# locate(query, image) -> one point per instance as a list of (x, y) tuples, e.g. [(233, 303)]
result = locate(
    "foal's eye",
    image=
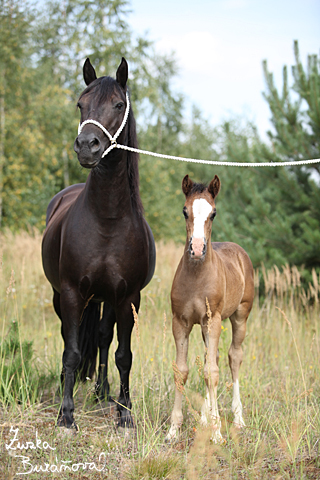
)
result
[(213, 214), (185, 213), (119, 106)]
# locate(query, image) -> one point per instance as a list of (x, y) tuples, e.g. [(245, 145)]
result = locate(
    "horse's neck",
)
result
[(107, 189)]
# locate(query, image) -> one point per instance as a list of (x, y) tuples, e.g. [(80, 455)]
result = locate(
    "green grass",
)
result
[(279, 384)]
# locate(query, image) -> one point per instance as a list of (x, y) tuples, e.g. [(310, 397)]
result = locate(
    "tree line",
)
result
[(274, 213)]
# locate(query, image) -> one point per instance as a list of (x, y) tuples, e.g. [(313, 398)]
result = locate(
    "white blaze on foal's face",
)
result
[(201, 211)]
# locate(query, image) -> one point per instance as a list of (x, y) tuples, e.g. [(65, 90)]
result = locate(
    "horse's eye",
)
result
[(185, 213), (213, 214), (119, 106), (79, 105)]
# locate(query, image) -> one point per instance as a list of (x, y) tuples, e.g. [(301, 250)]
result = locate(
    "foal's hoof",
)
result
[(238, 423), (172, 435), (217, 438)]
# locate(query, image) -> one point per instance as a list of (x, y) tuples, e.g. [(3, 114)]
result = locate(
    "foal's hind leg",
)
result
[(105, 338), (239, 322)]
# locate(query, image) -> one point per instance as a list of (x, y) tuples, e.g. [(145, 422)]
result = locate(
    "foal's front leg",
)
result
[(181, 331), (72, 306), (211, 333)]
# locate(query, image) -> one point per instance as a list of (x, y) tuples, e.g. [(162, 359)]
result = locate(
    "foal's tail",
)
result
[(88, 340)]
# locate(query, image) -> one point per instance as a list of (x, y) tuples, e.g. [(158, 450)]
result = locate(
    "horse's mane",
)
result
[(107, 85)]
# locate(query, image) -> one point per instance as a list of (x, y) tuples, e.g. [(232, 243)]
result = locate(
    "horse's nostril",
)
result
[(94, 145), (76, 145)]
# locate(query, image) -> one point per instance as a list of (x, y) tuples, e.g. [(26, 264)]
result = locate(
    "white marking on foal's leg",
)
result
[(216, 436), (210, 416), (205, 410), (173, 433), (237, 406)]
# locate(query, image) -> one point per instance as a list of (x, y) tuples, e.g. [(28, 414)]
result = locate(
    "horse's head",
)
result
[(104, 101), (199, 211)]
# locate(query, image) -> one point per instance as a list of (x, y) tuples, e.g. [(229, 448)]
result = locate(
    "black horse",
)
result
[(97, 246)]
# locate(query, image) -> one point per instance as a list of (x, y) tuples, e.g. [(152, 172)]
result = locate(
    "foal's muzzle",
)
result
[(197, 248), (89, 149)]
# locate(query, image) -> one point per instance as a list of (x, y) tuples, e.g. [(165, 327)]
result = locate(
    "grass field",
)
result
[(279, 385)]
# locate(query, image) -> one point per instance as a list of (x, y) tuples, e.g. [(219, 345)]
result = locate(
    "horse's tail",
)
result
[(88, 340)]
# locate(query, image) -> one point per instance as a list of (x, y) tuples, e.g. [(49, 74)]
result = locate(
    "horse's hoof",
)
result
[(125, 421), (66, 432), (66, 429), (126, 433)]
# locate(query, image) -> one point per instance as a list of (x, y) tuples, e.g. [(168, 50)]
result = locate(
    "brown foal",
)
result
[(223, 274)]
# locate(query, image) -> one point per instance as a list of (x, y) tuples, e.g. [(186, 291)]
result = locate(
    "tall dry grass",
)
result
[(279, 378)]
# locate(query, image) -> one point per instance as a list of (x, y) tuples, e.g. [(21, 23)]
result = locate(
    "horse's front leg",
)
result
[(105, 338), (123, 357), (72, 306), (211, 333)]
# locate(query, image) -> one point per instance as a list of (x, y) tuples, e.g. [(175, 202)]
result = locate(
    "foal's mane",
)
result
[(104, 87), (198, 188)]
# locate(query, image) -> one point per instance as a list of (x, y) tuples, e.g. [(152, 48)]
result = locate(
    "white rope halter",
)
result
[(114, 144), (113, 139)]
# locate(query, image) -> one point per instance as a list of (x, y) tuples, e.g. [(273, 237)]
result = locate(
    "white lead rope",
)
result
[(114, 144), (216, 162)]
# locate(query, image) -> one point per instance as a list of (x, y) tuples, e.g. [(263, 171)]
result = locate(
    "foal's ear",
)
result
[(187, 184), (89, 73), (214, 186), (122, 73)]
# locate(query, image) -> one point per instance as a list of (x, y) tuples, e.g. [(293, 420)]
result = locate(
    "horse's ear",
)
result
[(214, 186), (122, 73), (89, 73), (187, 184)]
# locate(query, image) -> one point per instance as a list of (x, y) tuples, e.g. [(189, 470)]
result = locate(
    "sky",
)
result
[(219, 46)]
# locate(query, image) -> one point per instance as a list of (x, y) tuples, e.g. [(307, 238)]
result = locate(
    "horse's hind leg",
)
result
[(239, 323), (105, 338), (57, 309)]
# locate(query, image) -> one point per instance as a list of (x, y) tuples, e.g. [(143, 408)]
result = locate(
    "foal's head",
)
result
[(104, 100), (199, 211)]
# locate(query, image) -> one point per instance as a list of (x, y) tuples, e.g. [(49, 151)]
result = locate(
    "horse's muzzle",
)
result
[(197, 248), (89, 149)]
